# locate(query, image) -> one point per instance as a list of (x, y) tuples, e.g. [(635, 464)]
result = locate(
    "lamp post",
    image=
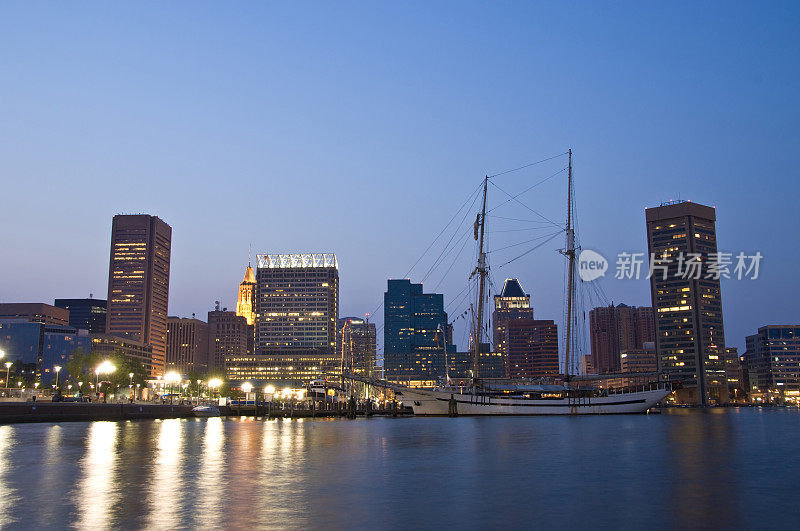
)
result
[(247, 387), (172, 377), (8, 370), (214, 383), (198, 391), (104, 368), (57, 368)]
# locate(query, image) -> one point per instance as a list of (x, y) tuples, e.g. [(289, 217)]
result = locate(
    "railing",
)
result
[(653, 386)]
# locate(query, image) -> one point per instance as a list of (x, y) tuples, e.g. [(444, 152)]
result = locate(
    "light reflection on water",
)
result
[(8, 494), (98, 489), (167, 499), (684, 470), (211, 479)]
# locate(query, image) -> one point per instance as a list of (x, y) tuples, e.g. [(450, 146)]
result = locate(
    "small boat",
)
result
[(205, 411)]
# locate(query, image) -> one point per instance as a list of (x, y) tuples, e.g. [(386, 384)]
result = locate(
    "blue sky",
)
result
[(360, 127)]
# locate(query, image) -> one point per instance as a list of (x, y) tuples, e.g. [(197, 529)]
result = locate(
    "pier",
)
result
[(40, 411), (13, 412)]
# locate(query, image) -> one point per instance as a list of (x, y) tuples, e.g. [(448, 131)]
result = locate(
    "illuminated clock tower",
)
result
[(244, 304)]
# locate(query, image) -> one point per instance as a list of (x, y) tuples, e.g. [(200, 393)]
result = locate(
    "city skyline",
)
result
[(727, 130)]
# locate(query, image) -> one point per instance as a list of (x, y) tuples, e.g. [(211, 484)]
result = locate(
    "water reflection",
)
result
[(283, 472), (98, 489), (211, 482), (8, 494), (704, 486), (685, 470), (166, 494)]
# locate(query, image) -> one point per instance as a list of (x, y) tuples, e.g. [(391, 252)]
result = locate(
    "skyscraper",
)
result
[(357, 341), (85, 314), (614, 329), (187, 345), (297, 302), (414, 349), (138, 282), (512, 303), (690, 339), (297, 307), (244, 302), (532, 348)]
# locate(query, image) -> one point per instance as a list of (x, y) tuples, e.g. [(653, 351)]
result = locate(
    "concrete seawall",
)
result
[(11, 412)]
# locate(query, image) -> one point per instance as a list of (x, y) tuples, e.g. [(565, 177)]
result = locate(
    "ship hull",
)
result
[(426, 402)]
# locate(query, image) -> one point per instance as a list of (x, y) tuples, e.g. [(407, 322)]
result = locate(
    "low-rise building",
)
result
[(34, 312)]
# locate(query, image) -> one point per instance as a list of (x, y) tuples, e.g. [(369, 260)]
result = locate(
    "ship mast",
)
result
[(482, 270), (570, 253)]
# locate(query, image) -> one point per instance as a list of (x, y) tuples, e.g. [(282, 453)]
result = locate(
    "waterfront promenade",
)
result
[(41, 411)]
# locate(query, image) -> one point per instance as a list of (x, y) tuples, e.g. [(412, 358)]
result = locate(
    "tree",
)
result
[(81, 367)]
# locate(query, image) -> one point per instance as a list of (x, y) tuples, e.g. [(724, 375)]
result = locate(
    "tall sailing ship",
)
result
[(563, 396)]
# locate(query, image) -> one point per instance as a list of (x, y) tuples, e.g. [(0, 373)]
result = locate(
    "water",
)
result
[(716, 469)]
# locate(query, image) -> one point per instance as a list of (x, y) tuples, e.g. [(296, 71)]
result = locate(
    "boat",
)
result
[(206, 410), (564, 401), (561, 396)]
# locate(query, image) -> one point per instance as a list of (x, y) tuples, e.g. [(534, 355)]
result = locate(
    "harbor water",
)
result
[(722, 468)]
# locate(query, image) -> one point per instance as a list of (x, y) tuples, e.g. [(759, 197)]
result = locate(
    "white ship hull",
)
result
[(438, 402)]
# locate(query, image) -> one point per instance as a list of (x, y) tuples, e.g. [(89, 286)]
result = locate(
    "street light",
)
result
[(198, 390), (8, 369), (172, 377), (214, 383), (57, 368), (247, 387), (104, 368)]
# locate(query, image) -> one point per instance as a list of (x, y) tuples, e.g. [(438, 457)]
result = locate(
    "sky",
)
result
[(360, 128)]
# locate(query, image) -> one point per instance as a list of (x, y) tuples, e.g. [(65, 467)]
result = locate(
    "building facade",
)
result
[(641, 360), (35, 349), (187, 345), (772, 360), (34, 312), (614, 329), (138, 283), (297, 303), (358, 345), (286, 369), (85, 314), (734, 373), (491, 364), (512, 303), (413, 344), (229, 337), (690, 338), (104, 345), (532, 348), (297, 308)]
